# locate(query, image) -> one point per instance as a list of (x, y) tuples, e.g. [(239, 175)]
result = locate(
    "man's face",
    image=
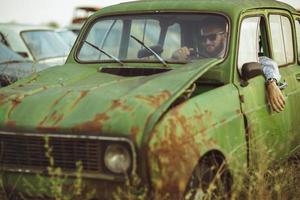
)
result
[(213, 40)]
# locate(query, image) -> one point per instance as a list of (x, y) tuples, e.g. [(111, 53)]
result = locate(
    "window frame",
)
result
[(266, 35), (284, 14), (297, 19)]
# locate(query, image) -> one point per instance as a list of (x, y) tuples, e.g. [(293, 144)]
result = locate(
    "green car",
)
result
[(123, 106)]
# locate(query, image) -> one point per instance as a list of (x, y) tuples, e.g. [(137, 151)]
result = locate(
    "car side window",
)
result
[(248, 42), (282, 39), (297, 23)]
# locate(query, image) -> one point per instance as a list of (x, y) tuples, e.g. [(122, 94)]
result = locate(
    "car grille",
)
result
[(27, 152)]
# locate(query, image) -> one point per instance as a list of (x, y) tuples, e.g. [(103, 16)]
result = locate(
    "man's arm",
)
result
[(271, 72), (275, 96)]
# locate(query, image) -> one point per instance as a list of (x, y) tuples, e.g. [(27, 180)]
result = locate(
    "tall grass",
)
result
[(267, 181), (270, 181)]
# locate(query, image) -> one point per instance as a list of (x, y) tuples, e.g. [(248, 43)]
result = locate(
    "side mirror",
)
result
[(250, 70)]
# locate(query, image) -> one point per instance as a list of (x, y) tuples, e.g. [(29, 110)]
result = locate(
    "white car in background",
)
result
[(68, 36), (37, 43)]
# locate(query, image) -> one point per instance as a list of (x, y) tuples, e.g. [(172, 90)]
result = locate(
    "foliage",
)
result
[(56, 184), (266, 181)]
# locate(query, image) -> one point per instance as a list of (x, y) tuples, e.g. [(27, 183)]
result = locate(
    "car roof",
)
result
[(224, 6)]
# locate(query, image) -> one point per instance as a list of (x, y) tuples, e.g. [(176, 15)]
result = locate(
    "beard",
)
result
[(215, 52)]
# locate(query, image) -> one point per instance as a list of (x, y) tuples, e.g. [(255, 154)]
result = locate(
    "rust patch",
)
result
[(48, 128), (238, 111), (177, 147), (155, 101), (176, 157), (56, 118), (93, 125), (15, 102), (2, 98), (81, 96), (60, 98), (134, 132), (119, 104), (43, 121), (11, 124)]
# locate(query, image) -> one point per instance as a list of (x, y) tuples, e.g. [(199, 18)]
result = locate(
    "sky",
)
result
[(59, 11), (45, 11)]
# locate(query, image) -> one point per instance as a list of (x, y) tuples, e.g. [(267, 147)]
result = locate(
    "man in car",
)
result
[(213, 37)]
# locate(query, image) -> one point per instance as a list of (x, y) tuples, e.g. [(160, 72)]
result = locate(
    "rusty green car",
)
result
[(123, 107)]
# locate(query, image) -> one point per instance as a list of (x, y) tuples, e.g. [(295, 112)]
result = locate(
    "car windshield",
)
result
[(45, 44), (127, 38), (7, 55)]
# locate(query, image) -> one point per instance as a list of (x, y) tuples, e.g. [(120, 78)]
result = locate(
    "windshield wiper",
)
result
[(151, 50), (107, 54)]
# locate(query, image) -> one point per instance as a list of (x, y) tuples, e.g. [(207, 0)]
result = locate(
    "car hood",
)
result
[(75, 99)]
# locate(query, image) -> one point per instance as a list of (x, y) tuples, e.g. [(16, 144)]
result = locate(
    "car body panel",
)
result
[(56, 112), (193, 129)]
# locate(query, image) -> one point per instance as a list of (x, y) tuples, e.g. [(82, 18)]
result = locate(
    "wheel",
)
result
[(211, 178)]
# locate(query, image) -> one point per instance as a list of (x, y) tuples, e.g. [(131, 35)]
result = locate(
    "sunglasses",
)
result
[(211, 37)]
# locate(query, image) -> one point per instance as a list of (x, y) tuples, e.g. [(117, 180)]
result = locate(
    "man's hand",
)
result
[(182, 54), (275, 97)]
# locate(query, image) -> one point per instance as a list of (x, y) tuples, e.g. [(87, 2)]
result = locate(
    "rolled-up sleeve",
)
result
[(270, 68)]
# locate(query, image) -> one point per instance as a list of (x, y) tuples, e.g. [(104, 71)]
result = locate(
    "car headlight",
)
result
[(117, 158)]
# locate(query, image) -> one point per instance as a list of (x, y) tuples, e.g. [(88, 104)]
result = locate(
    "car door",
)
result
[(284, 53), (295, 73), (266, 129)]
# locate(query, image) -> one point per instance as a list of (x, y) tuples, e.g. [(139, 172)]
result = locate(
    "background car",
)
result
[(14, 67), (80, 15), (37, 43), (68, 36)]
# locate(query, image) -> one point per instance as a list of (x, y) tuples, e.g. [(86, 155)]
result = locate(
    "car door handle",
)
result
[(298, 77)]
